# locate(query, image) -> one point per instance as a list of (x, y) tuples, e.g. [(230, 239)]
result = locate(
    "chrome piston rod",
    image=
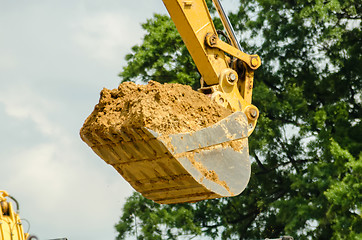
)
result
[(227, 25)]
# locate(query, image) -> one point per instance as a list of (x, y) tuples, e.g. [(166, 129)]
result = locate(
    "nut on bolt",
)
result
[(254, 61), (231, 77), (211, 39), (252, 112)]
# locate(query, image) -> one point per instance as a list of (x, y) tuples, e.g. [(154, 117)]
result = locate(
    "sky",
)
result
[(55, 58)]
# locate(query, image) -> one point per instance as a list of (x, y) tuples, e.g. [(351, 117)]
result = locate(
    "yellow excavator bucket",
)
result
[(130, 130), (187, 167)]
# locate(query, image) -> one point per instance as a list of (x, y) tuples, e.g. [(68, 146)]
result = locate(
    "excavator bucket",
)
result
[(209, 163)]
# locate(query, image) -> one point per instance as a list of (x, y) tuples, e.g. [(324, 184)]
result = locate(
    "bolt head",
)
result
[(254, 62), (253, 112), (232, 77), (213, 40)]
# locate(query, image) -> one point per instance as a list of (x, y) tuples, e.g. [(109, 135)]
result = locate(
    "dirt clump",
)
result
[(164, 108)]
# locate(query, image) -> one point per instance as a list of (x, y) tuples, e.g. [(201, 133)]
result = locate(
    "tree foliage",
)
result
[(306, 149)]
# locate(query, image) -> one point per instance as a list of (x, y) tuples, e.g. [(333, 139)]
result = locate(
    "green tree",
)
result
[(306, 149)]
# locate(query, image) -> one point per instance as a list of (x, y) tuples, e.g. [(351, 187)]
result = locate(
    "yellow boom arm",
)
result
[(228, 80)]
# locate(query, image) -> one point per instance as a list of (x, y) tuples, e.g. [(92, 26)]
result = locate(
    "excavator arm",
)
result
[(212, 162), (227, 72)]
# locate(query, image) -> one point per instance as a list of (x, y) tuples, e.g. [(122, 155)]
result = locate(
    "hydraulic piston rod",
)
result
[(227, 25)]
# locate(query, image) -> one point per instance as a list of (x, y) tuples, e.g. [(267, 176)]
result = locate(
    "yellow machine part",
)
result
[(187, 167), (11, 227), (212, 162)]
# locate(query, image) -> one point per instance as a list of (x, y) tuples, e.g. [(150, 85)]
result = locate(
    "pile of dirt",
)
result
[(164, 108)]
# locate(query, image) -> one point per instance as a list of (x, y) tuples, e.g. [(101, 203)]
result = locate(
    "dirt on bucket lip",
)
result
[(164, 108)]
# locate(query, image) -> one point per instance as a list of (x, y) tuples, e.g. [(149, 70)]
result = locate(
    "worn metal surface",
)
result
[(188, 167)]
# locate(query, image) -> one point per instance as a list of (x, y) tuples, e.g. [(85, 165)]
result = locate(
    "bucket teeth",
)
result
[(187, 167)]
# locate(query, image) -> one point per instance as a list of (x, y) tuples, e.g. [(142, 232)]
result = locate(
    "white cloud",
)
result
[(55, 58), (64, 193), (7, 62), (104, 35), (23, 103), (59, 178)]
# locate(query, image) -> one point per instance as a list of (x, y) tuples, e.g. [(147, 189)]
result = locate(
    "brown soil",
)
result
[(164, 108)]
